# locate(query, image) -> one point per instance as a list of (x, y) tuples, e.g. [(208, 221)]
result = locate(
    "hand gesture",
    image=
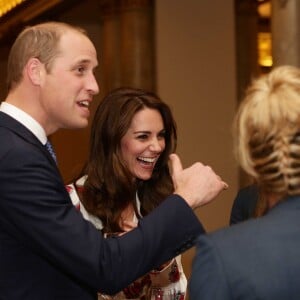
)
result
[(198, 184)]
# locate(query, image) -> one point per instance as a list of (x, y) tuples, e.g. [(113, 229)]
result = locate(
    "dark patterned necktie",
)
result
[(51, 150)]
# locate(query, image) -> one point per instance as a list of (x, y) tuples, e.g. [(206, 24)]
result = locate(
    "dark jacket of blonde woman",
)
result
[(255, 260)]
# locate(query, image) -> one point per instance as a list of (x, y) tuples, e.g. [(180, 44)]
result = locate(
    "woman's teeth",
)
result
[(147, 159)]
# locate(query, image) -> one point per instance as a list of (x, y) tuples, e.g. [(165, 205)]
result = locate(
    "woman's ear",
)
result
[(34, 70)]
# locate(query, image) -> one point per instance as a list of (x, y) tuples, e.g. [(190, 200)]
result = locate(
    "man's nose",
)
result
[(92, 85)]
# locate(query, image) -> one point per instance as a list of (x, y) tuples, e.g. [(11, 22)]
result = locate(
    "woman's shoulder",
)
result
[(72, 189)]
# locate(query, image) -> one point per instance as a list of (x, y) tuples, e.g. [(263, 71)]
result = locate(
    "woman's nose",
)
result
[(156, 145)]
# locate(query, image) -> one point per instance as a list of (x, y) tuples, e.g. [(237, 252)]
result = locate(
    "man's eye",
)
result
[(80, 69)]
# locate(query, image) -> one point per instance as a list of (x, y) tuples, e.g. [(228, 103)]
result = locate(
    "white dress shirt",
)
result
[(26, 120)]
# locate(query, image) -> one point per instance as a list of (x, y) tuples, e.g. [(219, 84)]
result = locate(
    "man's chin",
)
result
[(78, 125)]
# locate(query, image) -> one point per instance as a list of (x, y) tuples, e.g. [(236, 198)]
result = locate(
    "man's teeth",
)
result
[(84, 103), (147, 159)]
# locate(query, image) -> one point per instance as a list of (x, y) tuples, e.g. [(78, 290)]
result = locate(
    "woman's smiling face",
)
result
[(143, 143)]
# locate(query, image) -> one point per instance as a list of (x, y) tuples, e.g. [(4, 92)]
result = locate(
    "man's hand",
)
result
[(198, 184)]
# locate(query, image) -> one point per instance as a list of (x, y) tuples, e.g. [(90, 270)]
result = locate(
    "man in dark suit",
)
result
[(47, 250), (259, 258)]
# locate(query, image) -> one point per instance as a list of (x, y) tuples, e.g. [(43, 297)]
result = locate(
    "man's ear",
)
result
[(34, 69)]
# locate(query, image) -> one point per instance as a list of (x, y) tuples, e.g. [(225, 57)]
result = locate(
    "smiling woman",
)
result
[(127, 175), (143, 143)]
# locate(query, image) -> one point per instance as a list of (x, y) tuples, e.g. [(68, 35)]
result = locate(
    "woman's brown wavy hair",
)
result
[(109, 187)]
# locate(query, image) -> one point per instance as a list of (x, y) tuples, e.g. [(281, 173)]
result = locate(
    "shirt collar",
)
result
[(26, 120)]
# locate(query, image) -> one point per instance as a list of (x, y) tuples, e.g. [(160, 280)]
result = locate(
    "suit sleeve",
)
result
[(208, 279), (37, 212)]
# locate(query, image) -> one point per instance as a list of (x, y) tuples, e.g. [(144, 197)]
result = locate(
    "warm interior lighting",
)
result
[(21, 13), (264, 10), (265, 49), (8, 5)]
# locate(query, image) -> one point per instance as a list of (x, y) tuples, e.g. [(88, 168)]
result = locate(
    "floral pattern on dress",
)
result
[(168, 278)]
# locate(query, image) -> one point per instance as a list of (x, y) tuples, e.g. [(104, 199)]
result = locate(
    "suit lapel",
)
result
[(19, 129)]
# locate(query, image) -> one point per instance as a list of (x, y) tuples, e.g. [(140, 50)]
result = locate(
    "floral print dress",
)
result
[(166, 283)]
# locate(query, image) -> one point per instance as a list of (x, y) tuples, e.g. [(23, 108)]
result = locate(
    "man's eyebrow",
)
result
[(86, 61), (83, 61)]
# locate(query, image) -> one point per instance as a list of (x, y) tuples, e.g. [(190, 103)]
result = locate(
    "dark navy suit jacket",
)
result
[(255, 260), (48, 251), (244, 204)]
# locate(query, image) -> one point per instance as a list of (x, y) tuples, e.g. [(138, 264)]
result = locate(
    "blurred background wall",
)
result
[(196, 76)]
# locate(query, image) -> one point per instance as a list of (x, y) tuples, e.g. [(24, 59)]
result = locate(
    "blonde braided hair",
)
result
[(267, 132)]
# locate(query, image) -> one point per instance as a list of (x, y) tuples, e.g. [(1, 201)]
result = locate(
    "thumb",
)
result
[(176, 165)]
